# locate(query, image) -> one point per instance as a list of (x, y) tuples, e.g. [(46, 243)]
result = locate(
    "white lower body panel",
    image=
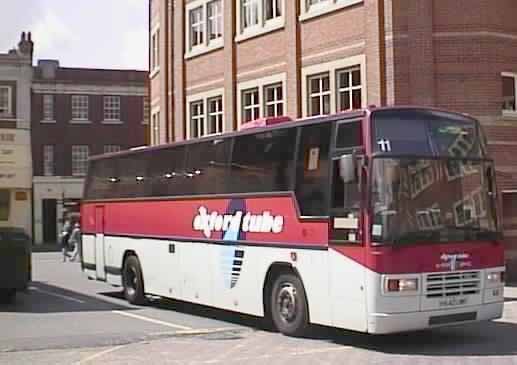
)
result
[(382, 323)]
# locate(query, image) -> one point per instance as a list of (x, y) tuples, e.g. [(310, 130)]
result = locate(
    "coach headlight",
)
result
[(495, 277), (400, 285)]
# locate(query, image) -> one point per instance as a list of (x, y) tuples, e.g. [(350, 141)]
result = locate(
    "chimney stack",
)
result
[(26, 46)]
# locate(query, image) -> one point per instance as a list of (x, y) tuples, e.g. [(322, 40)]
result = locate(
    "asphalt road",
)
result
[(64, 318)]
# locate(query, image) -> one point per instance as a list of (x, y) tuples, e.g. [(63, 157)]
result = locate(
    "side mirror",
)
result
[(347, 168)]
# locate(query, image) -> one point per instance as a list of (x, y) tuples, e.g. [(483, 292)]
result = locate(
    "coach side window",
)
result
[(102, 179), (167, 174), (134, 176), (312, 170), (207, 166), (263, 162)]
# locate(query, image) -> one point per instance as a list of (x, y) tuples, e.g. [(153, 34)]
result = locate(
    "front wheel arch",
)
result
[(274, 271)]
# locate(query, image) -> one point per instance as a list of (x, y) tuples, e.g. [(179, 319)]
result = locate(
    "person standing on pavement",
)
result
[(74, 242), (65, 235)]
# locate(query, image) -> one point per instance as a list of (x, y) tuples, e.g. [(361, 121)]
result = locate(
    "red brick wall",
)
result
[(63, 134)]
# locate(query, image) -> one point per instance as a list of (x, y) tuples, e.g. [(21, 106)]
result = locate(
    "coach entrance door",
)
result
[(99, 244)]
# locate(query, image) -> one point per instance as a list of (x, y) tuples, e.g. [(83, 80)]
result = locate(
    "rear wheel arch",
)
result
[(132, 271)]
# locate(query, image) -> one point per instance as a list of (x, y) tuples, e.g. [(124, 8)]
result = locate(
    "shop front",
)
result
[(15, 179)]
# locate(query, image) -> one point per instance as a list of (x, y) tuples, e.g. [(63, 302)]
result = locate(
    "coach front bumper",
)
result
[(383, 323)]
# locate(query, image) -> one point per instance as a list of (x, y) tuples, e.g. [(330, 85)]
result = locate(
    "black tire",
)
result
[(288, 305), (7, 296), (133, 281)]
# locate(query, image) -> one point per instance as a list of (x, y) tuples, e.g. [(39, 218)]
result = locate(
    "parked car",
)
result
[(15, 262)]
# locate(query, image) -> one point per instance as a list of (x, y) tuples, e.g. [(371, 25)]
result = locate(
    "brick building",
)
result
[(15, 147), (217, 63), (77, 113)]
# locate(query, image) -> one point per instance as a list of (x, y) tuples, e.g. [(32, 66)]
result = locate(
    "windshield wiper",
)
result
[(417, 237), (475, 233)]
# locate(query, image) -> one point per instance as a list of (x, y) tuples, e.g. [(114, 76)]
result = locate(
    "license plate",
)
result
[(453, 301)]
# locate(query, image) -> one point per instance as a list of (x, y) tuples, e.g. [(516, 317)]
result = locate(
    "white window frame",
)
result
[(430, 218), (263, 26), (80, 165), (48, 111), (205, 98), (146, 109), (254, 106), (276, 100), (112, 148), (308, 11), (49, 152), (350, 88), (199, 118), (320, 94), (511, 113), (80, 119), (217, 114), (261, 84), (208, 44), (155, 126), (332, 68), (155, 50), (217, 19), (424, 172), (111, 107), (9, 112)]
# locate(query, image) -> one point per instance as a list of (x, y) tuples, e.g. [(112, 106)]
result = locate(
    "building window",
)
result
[(334, 86), (48, 107), (48, 160), (215, 115), (197, 119), (155, 50), (197, 25), (319, 94), (312, 8), (146, 110), (429, 219), (273, 9), (215, 19), (261, 98), (509, 92), (111, 148), (80, 107), (155, 128), (250, 13), (205, 26), (5, 202), (80, 160), (256, 17), (5, 101), (112, 108), (205, 114), (250, 105), (421, 176), (349, 89), (274, 100)]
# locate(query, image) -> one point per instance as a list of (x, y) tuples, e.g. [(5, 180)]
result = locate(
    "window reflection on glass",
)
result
[(443, 210)]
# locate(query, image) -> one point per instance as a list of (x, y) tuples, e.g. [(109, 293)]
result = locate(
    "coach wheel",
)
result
[(289, 305), (133, 282), (7, 296)]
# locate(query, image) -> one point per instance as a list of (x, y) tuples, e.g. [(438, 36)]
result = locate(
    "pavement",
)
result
[(66, 319)]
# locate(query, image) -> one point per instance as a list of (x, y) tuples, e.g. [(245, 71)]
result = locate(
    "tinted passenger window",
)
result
[(134, 176), (312, 170), (207, 166), (102, 180), (167, 174), (349, 135), (263, 162)]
